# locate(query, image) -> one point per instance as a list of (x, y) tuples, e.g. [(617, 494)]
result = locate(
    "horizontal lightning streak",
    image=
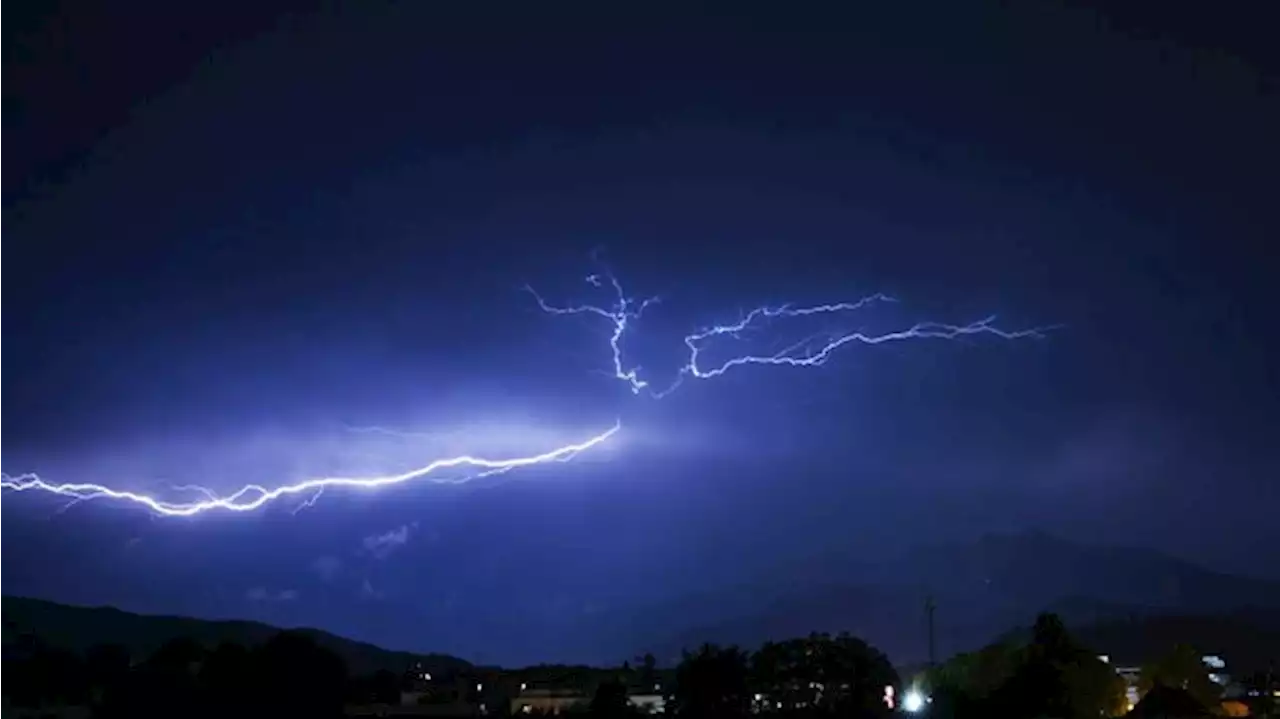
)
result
[(253, 496)]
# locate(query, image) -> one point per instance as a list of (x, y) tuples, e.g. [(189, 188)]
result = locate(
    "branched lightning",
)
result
[(804, 354), (254, 496), (809, 352), (620, 315)]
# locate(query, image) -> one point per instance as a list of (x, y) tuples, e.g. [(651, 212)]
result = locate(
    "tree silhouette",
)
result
[(227, 680), (842, 674), (39, 675), (106, 664), (287, 675), (157, 686), (648, 670), (975, 675), (384, 687), (1182, 668), (611, 701), (177, 656), (712, 682), (1165, 701), (106, 669), (33, 674), (1057, 677), (298, 677)]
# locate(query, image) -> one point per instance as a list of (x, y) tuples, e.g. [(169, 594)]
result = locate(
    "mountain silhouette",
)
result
[(78, 628), (1129, 603), (981, 590)]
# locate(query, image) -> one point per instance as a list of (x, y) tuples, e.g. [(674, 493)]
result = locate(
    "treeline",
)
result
[(288, 675), (819, 675), (1054, 675), (1050, 675)]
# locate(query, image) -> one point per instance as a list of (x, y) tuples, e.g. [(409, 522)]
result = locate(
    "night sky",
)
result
[(236, 237)]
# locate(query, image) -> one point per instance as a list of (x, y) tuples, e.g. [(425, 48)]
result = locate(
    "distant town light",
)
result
[(426, 676), (479, 687), (759, 697), (913, 701), (1104, 658), (523, 686)]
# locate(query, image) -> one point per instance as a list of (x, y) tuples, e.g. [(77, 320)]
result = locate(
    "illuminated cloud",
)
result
[(368, 592), (261, 594), (327, 567), (382, 545)]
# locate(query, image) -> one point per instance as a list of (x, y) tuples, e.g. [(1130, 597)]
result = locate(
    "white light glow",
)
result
[(913, 701)]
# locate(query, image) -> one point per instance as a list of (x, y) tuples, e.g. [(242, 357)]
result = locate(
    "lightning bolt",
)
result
[(253, 496), (620, 315), (810, 352)]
